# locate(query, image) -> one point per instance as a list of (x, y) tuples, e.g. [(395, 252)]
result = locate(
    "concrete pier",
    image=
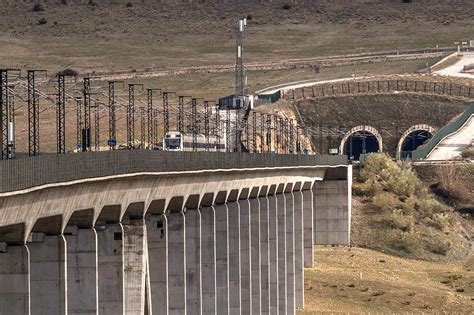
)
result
[(255, 255), (193, 262), (82, 270), (264, 252), (290, 250), (110, 268), (48, 274), (298, 234), (282, 272), (245, 256), (208, 260), (273, 249), (332, 211), (176, 263), (234, 253), (157, 233), (308, 221), (222, 258), (15, 280), (134, 232)]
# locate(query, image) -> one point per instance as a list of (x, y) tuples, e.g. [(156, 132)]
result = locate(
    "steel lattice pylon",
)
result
[(112, 121), (217, 130), (206, 123), (85, 132), (227, 129), (97, 126), (33, 115), (79, 122), (194, 117), (4, 113), (254, 131), (61, 116)]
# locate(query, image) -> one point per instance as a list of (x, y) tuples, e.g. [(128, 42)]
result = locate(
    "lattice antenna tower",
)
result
[(239, 64)]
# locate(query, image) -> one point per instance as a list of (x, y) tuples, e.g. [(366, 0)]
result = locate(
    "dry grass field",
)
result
[(363, 281), (110, 35)]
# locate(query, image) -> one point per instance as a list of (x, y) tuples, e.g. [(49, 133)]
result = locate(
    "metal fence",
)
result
[(55, 168), (352, 87)]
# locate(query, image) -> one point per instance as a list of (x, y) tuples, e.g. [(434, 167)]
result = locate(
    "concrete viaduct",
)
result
[(146, 232)]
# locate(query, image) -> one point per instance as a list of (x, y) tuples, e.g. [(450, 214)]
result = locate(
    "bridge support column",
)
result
[(208, 260), (234, 257), (176, 263), (15, 280), (193, 261), (273, 250), (111, 268), (299, 260), (332, 211), (157, 234), (82, 270), (264, 255), (222, 258), (290, 250), (135, 257), (48, 278), (245, 257), (308, 226), (256, 263), (282, 273)]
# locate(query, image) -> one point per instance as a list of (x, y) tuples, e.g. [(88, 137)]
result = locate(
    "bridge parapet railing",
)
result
[(45, 169), (423, 152)]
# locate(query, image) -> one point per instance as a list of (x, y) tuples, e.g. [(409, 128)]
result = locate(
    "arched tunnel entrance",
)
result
[(361, 140), (360, 143), (412, 139)]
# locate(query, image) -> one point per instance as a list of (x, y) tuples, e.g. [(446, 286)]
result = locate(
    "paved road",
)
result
[(452, 146), (456, 69)]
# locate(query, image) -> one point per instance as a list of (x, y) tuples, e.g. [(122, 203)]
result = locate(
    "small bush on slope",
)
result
[(395, 213)]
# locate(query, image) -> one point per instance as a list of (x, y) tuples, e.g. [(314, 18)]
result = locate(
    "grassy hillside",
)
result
[(395, 213), (107, 35)]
